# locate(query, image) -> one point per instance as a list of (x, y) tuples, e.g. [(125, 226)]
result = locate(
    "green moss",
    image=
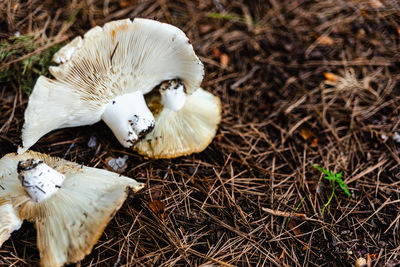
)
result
[(24, 72)]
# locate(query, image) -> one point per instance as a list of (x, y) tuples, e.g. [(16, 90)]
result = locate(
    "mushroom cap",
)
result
[(122, 57), (183, 132), (69, 222)]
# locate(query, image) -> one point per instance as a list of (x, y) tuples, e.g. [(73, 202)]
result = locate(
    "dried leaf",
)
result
[(282, 254), (364, 13), (369, 260), (309, 136), (331, 76), (306, 134), (126, 3), (224, 60), (216, 52), (325, 40), (158, 208), (314, 142)]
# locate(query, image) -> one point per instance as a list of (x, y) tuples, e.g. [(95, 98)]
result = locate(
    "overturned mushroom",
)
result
[(184, 124), (69, 204), (105, 75)]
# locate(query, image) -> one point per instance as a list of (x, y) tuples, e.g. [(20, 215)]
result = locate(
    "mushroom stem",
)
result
[(173, 94), (129, 118), (39, 180)]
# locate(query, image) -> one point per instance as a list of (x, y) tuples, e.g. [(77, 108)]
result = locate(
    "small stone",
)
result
[(396, 137), (92, 143), (118, 164)]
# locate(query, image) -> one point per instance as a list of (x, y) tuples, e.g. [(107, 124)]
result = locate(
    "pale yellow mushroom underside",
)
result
[(188, 130)]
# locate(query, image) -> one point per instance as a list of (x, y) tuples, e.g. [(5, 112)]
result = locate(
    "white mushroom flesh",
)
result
[(39, 180), (129, 118), (173, 94)]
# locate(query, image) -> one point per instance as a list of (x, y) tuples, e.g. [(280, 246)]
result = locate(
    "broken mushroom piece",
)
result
[(105, 74), (69, 204), (184, 124)]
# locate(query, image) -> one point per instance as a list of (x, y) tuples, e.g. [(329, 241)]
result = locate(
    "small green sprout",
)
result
[(334, 178)]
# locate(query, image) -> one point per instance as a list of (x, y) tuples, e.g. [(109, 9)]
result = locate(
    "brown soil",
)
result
[(301, 82)]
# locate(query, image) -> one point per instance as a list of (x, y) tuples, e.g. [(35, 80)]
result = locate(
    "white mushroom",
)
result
[(184, 124), (104, 76), (70, 208)]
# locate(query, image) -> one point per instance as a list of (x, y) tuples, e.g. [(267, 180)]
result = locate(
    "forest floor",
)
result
[(302, 83)]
